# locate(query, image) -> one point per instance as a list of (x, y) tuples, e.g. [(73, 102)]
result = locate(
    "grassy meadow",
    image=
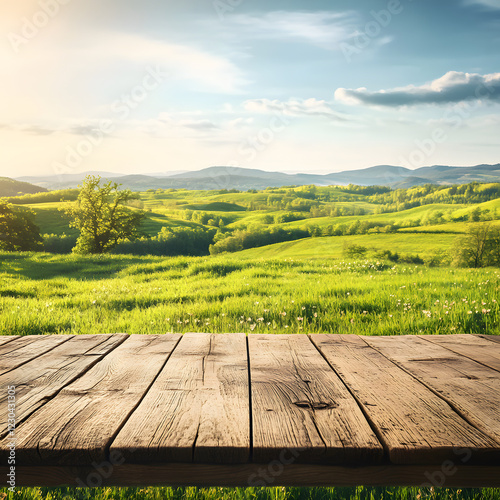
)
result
[(67, 294), (356, 493), (307, 285)]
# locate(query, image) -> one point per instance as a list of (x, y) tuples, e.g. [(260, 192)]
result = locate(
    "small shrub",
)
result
[(387, 255), (355, 251)]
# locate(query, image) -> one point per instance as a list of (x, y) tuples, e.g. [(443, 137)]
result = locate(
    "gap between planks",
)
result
[(27, 348), (471, 347), (4, 339), (79, 425), (197, 410)]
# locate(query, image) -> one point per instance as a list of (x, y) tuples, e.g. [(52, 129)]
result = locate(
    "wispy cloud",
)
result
[(199, 124), (29, 128), (490, 4), (193, 121), (323, 29), (453, 87), (55, 79), (213, 72), (294, 107)]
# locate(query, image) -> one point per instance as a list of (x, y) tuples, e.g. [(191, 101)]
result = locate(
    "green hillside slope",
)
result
[(10, 187)]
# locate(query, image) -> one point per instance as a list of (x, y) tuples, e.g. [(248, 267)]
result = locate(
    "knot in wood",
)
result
[(315, 405)]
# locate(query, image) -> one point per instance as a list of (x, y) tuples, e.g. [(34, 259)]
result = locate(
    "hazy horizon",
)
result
[(293, 87), (180, 172)]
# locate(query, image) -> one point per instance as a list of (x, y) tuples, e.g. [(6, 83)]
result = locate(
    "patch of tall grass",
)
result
[(69, 294)]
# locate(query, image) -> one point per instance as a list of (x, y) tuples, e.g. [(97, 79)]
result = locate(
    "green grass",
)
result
[(43, 293), (358, 493), (156, 220), (402, 217), (219, 206), (50, 219), (424, 245)]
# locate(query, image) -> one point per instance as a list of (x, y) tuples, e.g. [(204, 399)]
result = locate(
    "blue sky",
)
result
[(319, 86)]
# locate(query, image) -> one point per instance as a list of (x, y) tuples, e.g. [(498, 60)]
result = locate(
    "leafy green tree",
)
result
[(475, 215), (17, 229), (493, 246), (354, 251), (479, 246), (101, 216)]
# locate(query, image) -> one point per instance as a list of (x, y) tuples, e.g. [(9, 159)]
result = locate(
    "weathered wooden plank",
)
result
[(470, 346), (301, 409), (473, 390), (198, 407), (24, 349), (492, 338), (415, 425), (76, 426), (4, 339), (41, 379), (203, 475)]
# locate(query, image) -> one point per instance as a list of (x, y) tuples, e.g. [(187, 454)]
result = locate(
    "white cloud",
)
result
[(453, 87), (55, 78), (199, 124), (490, 4), (177, 123), (294, 107), (240, 123), (215, 73), (323, 29)]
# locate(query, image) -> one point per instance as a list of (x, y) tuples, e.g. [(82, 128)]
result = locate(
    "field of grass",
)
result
[(411, 214), (51, 220), (358, 493), (332, 247), (44, 293)]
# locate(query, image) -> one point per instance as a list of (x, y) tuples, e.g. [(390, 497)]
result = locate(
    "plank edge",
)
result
[(254, 474)]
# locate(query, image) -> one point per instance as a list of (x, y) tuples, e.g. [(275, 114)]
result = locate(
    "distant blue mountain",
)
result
[(245, 178)]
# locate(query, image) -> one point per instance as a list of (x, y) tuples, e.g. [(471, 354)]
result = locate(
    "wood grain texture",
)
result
[(4, 339), (491, 338), (450, 475), (41, 379), (76, 426), (301, 408), (415, 425), (197, 409), (24, 349), (472, 389), (470, 346), (190, 419)]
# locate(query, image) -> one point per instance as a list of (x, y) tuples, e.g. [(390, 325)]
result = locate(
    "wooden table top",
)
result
[(231, 409)]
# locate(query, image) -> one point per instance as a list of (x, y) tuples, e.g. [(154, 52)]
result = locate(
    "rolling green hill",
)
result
[(305, 221), (332, 247), (11, 187)]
